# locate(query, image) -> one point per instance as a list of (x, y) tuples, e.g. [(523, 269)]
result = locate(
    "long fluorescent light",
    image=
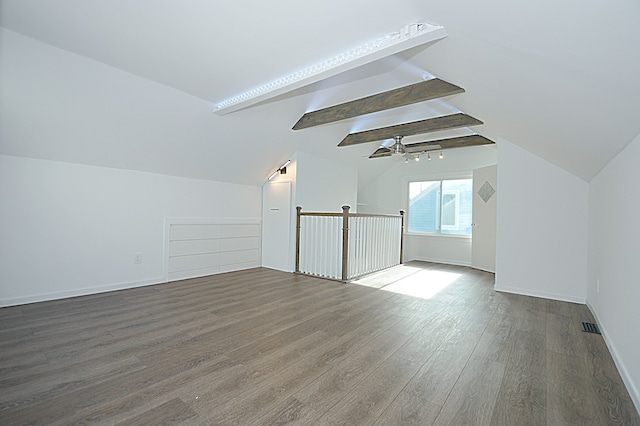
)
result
[(410, 36)]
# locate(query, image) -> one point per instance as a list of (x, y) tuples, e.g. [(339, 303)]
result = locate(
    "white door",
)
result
[(483, 243), (276, 225)]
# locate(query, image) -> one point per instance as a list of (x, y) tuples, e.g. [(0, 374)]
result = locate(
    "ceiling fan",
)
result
[(398, 148)]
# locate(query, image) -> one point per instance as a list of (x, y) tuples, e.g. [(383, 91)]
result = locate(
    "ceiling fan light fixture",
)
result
[(397, 147)]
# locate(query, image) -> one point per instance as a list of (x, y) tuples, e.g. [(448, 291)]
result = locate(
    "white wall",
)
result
[(71, 229), (614, 251), (317, 185), (388, 195), (324, 185), (541, 246)]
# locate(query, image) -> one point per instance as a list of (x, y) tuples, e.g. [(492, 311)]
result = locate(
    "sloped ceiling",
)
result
[(133, 83)]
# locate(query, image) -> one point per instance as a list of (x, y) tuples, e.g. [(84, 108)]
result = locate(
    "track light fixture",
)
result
[(281, 170)]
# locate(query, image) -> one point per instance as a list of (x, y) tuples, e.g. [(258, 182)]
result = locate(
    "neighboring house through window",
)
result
[(441, 207)]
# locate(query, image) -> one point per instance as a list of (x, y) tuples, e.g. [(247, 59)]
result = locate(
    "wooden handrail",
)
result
[(350, 214)]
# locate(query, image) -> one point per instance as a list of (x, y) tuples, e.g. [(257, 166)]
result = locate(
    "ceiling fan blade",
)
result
[(422, 146), (381, 152), (448, 143), (418, 92), (414, 128), (381, 155)]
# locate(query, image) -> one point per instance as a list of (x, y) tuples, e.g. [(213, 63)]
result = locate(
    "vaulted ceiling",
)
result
[(133, 84)]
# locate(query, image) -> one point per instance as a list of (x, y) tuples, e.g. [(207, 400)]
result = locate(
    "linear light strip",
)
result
[(410, 36)]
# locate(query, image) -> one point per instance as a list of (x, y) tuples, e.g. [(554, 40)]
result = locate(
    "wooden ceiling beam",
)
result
[(418, 92), (414, 128)]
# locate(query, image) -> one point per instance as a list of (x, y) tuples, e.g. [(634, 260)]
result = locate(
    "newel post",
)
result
[(401, 235), (298, 210), (345, 242)]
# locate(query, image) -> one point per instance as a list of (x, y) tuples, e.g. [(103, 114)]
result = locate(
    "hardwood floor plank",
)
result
[(426, 341), (312, 401), (359, 363), (438, 375), (174, 411), (409, 410), (30, 390), (569, 397), (563, 336), (268, 347), (373, 395), (613, 398), (133, 404), (522, 396), (497, 339), (473, 397), (44, 413)]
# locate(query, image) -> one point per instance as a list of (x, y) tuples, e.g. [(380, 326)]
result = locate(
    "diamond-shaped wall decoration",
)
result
[(486, 191)]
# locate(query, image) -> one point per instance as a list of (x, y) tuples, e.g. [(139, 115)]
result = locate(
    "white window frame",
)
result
[(430, 177), (456, 198)]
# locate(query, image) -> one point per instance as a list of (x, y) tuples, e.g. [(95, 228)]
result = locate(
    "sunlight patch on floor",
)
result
[(415, 282), (387, 276), (424, 284)]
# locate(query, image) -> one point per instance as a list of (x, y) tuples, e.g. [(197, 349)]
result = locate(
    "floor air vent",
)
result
[(590, 327)]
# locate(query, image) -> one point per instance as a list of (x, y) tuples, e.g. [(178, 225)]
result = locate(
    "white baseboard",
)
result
[(43, 297), (542, 294), (626, 377), (482, 269), (443, 261)]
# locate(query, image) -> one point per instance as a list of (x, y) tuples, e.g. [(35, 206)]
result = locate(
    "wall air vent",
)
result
[(590, 327)]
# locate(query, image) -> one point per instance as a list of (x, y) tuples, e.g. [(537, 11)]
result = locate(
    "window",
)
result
[(441, 207)]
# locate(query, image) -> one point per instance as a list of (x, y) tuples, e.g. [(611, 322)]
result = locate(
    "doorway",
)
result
[(276, 225)]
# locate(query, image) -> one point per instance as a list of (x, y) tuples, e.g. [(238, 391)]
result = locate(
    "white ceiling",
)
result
[(132, 83)]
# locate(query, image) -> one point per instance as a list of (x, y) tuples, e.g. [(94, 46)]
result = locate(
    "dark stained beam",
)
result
[(448, 143), (414, 128), (418, 92)]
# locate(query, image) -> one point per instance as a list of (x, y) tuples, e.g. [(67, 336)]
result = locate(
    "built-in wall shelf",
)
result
[(199, 247)]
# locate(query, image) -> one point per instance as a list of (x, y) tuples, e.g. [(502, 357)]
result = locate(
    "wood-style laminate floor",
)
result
[(434, 345)]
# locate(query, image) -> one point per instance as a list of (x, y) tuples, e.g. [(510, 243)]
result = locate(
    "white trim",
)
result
[(542, 294), (211, 220), (634, 393), (407, 180), (482, 269), (168, 221), (44, 297), (443, 261), (456, 207), (435, 235)]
